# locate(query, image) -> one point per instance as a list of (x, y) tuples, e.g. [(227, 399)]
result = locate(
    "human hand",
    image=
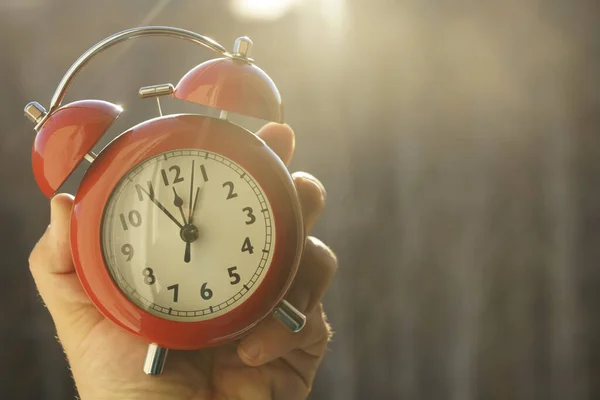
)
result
[(269, 363)]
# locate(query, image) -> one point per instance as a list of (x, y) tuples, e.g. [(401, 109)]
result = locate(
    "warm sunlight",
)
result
[(262, 9)]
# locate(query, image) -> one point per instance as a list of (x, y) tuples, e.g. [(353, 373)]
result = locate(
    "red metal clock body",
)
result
[(173, 133), (120, 226)]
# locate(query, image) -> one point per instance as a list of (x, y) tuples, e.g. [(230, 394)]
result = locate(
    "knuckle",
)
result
[(318, 333), (40, 252), (322, 255)]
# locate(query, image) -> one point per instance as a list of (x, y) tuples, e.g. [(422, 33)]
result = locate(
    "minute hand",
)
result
[(161, 207)]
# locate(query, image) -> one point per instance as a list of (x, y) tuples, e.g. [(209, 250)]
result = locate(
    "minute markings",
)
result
[(168, 198)]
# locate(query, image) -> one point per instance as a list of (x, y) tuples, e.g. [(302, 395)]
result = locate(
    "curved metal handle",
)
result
[(119, 37)]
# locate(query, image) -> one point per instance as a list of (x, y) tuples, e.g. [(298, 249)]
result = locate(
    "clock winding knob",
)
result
[(35, 112), (241, 47)]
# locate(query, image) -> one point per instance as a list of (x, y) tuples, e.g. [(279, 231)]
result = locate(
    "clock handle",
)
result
[(155, 359), (289, 316), (117, 38)]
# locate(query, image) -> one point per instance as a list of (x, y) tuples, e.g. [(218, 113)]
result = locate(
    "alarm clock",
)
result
[(186, 229)]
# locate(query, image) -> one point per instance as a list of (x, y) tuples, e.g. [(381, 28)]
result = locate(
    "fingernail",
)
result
[(252, 351)]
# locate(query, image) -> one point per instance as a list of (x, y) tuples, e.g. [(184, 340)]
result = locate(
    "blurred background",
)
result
[(459, 143)]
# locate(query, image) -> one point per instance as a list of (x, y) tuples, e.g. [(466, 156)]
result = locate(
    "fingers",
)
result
[(280, 138), (312, 197), (52, 267), (54, 244), (270, 339), (317, 269)]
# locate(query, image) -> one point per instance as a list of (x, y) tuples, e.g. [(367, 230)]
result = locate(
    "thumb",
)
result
[(51, 265)]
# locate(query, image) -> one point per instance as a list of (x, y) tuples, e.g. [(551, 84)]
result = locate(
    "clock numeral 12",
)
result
[(177, 173)]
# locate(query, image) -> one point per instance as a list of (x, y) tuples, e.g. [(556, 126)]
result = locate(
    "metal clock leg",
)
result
[(155, 359), (289, 316)]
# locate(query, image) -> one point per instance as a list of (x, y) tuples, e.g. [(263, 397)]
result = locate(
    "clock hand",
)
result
[(191, 192), (190, 226), (187, 256), (194, 207), (161, 207), (189, 234), (178, 202)]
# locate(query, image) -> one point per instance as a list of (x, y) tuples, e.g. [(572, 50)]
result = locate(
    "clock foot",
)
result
[(155, 359), (289, 316)]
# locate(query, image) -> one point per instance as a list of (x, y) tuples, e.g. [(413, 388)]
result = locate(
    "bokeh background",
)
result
[(459, 143)]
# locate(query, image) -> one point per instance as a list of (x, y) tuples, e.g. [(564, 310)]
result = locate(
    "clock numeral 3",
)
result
[(250, 215), (231, 193), (247, 246), (134, 217), (149, 277), (234, 275)]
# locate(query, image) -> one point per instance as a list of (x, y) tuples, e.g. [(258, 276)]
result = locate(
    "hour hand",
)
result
[(178, 202)]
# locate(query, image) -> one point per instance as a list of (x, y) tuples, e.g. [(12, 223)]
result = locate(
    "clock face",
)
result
[(188, 235)]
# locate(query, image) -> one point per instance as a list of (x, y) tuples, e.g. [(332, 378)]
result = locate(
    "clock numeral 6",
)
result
[(205, 292), (134, 217), (149, 277), (247, 246), (234, 275)]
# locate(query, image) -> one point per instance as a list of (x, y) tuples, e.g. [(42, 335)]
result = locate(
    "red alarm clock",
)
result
[(186, 229)]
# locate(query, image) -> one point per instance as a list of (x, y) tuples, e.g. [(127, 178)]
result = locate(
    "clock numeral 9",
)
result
[(231, 194), (127, 250), (205, 292), (247, 246), (251, 217), (134, 217), (234, 275), (149, 277)]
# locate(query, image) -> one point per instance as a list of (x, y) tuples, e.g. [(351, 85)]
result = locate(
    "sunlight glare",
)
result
[(262, 9)]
